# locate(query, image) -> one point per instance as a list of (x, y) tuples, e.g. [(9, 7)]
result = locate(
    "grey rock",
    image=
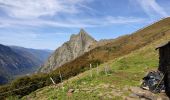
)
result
[(71, 90), (146, 95), (75, 47)]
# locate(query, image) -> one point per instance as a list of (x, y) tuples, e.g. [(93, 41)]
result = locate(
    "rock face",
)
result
[(76, 46)]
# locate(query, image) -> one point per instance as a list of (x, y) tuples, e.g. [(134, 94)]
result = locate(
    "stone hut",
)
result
[(164, 64)]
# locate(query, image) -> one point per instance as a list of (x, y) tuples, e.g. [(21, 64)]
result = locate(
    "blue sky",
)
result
[(46, 24)]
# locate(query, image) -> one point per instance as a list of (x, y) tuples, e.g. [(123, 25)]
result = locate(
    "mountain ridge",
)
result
[(118, 47), (114, 50), (18, 61), (76, 46), (37, 54), (123, 75)]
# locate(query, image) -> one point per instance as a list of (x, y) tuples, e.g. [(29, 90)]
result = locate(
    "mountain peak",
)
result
[(82, 31), (81, 35), (75, 47)]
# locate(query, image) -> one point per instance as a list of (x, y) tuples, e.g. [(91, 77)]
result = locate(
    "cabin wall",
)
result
[(164, 59), (164, 66)]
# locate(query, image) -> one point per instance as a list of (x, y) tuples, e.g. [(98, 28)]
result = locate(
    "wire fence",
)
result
[(1, 94), (61, 77)]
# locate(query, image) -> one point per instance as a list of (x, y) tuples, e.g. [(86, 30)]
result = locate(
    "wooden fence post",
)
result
[(52, 80), (91, 70), (105, 68), (97, 69), (61, 79)]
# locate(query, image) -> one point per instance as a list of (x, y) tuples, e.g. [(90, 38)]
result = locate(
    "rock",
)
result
[(128, 98), (115, 93), (112, 86), (143, 93), (133, 95), (144, 99), (162, 98), (70, 90), (75, 47), (146, 95)]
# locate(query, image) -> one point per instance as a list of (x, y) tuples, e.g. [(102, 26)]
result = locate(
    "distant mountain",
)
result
[(16, 61), (108, 51), (39, 56), (75, 47)]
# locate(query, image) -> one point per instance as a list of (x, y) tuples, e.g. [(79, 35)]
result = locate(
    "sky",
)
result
[(47, 24)]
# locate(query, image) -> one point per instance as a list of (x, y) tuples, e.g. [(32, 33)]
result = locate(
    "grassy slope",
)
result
[(119, 47), (124, 72)]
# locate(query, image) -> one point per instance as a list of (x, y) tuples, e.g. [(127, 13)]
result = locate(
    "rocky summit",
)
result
[(75, 47)]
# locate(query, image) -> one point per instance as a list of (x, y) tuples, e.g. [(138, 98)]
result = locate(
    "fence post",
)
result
[(52, 80), (91, 70), (105, 68), (97, 69), (61, 79)]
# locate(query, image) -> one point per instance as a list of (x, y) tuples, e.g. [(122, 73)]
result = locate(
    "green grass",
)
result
[(124, 72)]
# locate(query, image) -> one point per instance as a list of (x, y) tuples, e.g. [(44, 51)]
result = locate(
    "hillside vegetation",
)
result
[(130, 56), (123, 72), (117, 48)]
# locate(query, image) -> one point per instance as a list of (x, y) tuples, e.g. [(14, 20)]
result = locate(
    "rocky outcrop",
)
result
[(76, 46), (140, 94)]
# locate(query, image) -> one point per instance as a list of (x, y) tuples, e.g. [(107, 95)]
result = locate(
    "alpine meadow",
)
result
[(84, 50)]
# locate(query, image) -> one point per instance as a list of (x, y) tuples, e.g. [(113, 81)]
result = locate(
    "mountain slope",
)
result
[(119, 47), (16, 61), (38, 56), (76, 46), (116, 51), (12, 63), (124, 73)]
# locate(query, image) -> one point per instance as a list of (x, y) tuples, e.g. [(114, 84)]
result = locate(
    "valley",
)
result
[(126, 59), (18, 61)]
